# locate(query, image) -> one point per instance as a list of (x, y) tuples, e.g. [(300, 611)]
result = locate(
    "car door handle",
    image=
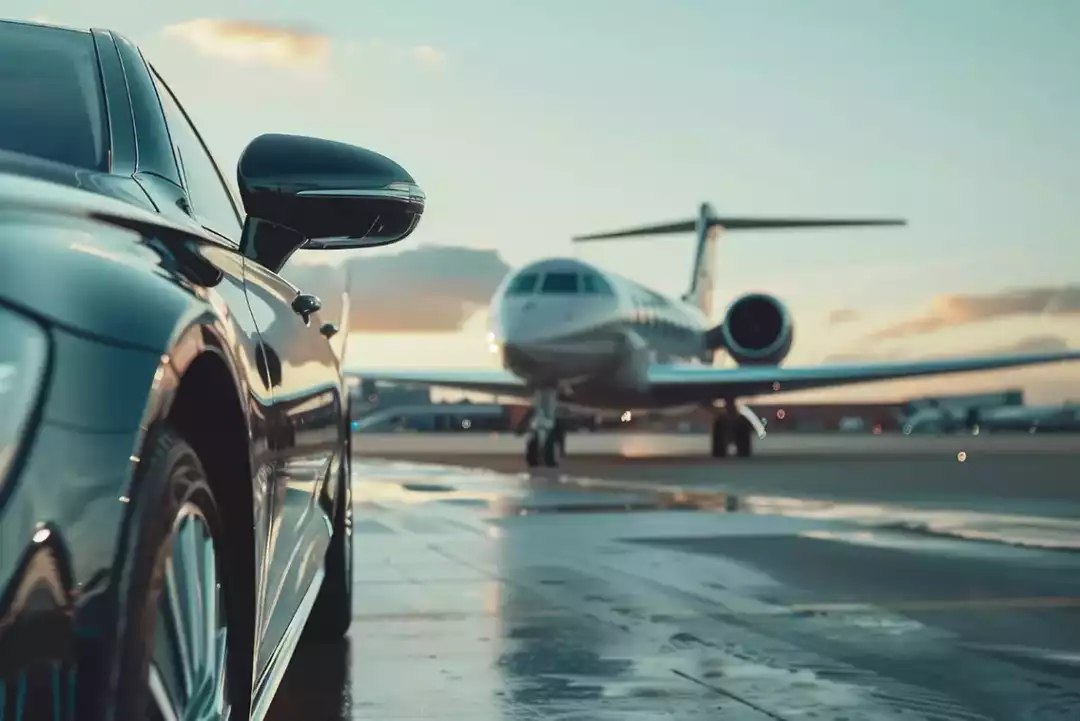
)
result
[(305, 304)]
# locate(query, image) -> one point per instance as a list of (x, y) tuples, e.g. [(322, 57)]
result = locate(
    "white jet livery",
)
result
[(568, 332)]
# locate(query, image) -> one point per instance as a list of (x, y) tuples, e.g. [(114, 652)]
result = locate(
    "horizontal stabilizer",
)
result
[(739, 223)]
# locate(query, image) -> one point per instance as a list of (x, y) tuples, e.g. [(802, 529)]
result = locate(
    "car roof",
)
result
[(46, 24)]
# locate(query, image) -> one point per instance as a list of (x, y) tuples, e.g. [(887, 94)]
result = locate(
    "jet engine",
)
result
[(757, 330)]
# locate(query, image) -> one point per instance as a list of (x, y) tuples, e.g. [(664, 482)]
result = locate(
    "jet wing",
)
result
[(495, 381), (676, 384), (697, 383)]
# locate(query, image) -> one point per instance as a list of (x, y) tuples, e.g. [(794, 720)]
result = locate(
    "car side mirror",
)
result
[(333, 195)]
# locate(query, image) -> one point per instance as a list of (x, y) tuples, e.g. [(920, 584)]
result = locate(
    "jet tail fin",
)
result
[(707, 228)]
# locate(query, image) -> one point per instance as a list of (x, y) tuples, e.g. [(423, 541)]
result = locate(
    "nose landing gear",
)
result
[(545, 449), (546, 444)]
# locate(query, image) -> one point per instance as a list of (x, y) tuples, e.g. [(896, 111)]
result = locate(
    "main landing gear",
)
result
[(729, 427), (546, 444)]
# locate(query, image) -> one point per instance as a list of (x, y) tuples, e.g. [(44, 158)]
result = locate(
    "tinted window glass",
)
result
[(560, 283), (523, 284), (50, 95), (209, 195), (592, 283)]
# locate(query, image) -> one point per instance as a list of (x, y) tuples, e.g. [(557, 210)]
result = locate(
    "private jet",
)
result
[(568, 332)]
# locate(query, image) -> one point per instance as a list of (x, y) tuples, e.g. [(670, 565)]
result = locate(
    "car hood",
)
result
[(117, 187), (95, 277)]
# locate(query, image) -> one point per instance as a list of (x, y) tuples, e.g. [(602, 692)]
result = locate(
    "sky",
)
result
[(528, 123)]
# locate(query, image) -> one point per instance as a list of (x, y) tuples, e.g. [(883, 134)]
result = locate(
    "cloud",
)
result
[(1029, 344), (429, 289), (1036, 344), (843, 315), (254, 43), (428, 55), (948, 311)]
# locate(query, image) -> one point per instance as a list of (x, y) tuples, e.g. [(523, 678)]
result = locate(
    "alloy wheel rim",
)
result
[(187, 665)]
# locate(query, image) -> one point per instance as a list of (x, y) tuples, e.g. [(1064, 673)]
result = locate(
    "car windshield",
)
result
[(50, 95)]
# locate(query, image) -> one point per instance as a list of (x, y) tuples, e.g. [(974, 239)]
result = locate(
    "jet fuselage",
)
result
[(565, 324)]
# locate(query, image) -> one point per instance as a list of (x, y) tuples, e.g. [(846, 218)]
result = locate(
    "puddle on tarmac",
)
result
[(527, 494)]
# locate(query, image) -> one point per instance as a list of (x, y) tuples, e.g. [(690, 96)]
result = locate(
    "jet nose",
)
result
[(523, 333), (548, 339), (518, 323)]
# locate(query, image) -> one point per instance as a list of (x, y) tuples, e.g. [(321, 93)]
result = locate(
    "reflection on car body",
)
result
[(174, 496)]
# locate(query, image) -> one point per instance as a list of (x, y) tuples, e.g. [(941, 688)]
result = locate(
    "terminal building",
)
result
[(963, 403), (381, 408)]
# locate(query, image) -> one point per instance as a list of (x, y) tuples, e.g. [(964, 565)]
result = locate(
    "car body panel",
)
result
[(118, 187), (308, 409), (133, 289)]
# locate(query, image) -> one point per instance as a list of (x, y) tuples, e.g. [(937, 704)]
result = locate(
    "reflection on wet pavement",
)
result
[(482, 595)]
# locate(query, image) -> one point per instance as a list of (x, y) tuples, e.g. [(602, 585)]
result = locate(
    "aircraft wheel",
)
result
[(551, 450), (532, 451), (744, 438), (719, 439)]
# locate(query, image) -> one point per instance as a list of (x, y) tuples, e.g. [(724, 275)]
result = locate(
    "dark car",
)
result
[(174, 457)]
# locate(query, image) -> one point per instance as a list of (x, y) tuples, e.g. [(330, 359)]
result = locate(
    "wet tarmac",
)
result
[(999, 473), (485, 594)]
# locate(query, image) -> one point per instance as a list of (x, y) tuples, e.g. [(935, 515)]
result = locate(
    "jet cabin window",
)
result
[(523, 284), (560, 283)]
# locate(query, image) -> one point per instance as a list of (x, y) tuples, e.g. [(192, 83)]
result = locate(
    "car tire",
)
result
[(331, 615), (172, 656)]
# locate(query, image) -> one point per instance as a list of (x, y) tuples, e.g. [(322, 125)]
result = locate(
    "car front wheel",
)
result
[(174, 649)]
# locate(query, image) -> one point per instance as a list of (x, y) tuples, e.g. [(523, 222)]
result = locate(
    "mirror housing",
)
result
[(332, 194)]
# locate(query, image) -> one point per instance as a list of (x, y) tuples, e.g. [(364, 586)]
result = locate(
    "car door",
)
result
[(309, 405), (300, 388)]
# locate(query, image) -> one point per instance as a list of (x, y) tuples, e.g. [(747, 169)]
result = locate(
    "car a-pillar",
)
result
[(729, 427), (545, 440)]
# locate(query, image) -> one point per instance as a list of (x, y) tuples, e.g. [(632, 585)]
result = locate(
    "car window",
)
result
[(210, 197), (51, 102)]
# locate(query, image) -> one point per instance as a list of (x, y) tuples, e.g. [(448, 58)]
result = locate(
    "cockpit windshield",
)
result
[(560, 283), (524, 284), (595, 284)]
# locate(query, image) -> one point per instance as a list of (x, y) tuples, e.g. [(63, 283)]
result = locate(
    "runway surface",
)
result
[(874, 586), (1037, 475)]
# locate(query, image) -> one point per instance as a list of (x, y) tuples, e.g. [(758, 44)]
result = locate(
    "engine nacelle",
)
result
[(757, 330)]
